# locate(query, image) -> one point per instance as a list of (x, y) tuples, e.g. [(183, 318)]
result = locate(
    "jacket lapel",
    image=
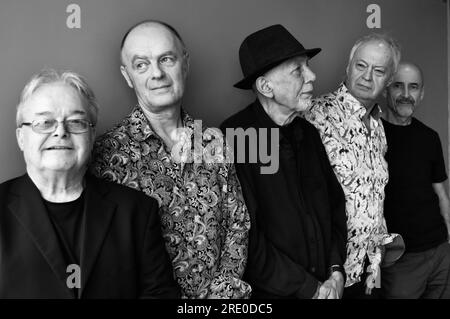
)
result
[(31, 213), (98, 213)]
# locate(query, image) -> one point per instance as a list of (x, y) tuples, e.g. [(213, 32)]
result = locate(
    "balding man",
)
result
[(416, 205), (349, 123), (204, 219)]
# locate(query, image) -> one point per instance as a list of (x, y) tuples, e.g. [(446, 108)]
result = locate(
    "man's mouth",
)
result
[(364, 87), (160, 87), (309, 92), (58, 148), (405, 102)]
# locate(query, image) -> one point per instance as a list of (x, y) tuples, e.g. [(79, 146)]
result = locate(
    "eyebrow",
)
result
[(137, 57), (45, 113), (143, 57)]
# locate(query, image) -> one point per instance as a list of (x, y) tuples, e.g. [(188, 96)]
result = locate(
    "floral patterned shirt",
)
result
[(205, 222), (357, 158)]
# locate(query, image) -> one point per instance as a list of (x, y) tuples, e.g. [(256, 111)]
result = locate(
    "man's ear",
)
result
[(422, 93), (384, 92), (19, 137), (264, 86), (124, 72)]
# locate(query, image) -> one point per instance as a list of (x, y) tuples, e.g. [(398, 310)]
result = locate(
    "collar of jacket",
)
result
[(264, 121)]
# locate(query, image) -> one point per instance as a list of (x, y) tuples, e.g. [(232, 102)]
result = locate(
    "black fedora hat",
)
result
[(265, 49)]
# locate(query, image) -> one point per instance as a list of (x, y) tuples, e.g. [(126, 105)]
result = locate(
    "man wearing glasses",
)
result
[(65, 234)]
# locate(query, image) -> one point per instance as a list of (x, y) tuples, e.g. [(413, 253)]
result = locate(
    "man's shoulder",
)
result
[(117, 131), (424, 129), (8, 185), (306, 126), (244, 118), (325, 110), (422, 126), (120, 194), (325, 103), (329, 97)]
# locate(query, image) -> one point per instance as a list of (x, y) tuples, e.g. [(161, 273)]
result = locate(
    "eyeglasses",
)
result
[(46, 126)]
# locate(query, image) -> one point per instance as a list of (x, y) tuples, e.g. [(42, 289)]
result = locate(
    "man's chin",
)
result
[(304, 105), (405, 110)]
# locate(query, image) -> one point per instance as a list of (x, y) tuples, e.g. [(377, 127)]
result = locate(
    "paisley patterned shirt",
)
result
[(205, 222), (357, 158)]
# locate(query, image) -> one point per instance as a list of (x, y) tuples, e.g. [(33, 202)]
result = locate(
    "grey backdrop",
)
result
[(33, 35)]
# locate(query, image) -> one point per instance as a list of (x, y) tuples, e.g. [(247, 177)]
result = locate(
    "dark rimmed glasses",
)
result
[(46, 126)]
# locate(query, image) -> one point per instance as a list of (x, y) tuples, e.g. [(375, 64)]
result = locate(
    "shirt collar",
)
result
[(264, 121), (140, 128), (352, 105)]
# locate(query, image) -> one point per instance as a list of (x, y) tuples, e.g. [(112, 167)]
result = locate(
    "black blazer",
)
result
[(298, 221), (123, 253)]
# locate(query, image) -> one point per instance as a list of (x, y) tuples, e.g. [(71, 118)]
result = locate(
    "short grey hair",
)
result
[(49, 76), (380, 37)]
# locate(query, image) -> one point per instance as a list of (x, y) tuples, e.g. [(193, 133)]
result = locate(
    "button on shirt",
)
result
[(357, 158), (204, 219)]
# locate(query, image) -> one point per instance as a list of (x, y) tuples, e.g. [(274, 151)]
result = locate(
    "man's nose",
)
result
[(405, 91), (156, 71), (309, 75), (367, 75), (60, 129)]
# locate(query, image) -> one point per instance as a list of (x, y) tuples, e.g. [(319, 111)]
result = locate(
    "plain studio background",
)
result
[(34, 34)]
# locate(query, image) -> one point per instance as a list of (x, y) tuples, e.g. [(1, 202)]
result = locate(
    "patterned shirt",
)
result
[(205, 222), (357, 158)]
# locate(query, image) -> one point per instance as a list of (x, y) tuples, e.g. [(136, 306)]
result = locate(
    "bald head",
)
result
[(405, 93), (155, 65), (409, 67), (149, 24)]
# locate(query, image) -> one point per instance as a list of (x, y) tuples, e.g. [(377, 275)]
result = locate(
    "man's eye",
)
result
[(76, 121), (297, 71), (168, 60), (47, 122), (140, 66), (380, 72), (44, 123), (360, 66)]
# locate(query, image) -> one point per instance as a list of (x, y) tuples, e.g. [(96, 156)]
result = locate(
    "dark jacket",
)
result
[(298, 222), (123, 254)]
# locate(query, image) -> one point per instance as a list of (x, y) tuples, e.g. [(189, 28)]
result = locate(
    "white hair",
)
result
[(48, 76), (391, 42)]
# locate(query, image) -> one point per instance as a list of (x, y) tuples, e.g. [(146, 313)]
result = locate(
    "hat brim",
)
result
[(247, 82)]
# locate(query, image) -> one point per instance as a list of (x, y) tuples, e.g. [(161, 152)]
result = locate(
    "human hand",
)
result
[(328, 290), (338, 277)]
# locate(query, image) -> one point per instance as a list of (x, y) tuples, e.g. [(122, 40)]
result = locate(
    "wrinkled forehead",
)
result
[(55, 98), (150, 40), (374, 51), (291, 63)]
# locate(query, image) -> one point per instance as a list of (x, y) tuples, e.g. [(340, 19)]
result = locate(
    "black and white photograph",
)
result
[(224, 158)]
